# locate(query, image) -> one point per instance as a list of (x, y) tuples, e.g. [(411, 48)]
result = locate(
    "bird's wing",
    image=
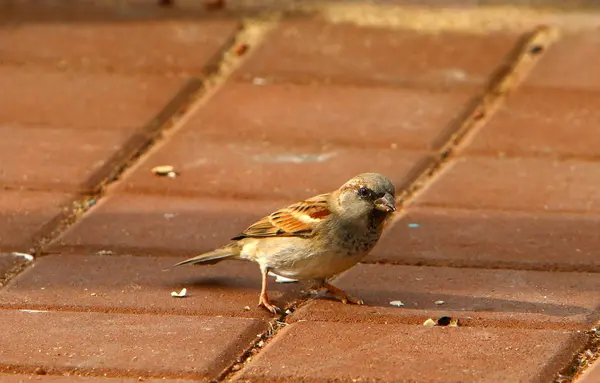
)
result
[(297, 220)]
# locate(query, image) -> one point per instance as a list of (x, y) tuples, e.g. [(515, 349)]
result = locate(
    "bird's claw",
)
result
[(343, 296), (264, 302)]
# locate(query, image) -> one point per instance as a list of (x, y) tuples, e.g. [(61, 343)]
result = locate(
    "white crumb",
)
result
[(28, 257), (181, 294)]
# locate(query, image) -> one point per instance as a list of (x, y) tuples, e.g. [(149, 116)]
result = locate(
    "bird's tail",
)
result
[(212, 257)]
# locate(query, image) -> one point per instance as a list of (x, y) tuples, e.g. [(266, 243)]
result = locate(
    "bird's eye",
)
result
[(363, 192)]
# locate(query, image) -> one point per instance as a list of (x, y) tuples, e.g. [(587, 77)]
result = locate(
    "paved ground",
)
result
[(487, 122)]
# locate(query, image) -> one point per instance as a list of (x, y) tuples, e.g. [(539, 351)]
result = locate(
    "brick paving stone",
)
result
[(96, 100), (483, 297), (135, 284), (35, 378), (591, 375), (334, 352), (260, 170), (569, 64), (456, 237), (9, 264), (314, 51), (542, 121), (24, 213), (57, 159), (116, 46), (147, 224), (517, 183), (172, 346), (330, 115)]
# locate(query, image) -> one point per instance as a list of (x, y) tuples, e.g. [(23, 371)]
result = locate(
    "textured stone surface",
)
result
[(570, 64), (95, 100), (313, 51), (259, 170), (24, 213), (330, 116), (22, 378), (162, 47), (542, 121), (147, 224), (481, 297), (343, 352), (58, 159), (457, 237), (591, 375), (114, 283), (517, 183), (126, 345)]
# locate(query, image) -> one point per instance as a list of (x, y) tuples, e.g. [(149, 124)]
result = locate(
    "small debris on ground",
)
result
[(478, 114), (165, 171), (442, 321), (28, 257), (397, 303), (534, 50), (259, 81), (414, 225), (240, 49), (439, 302), (105, 252), (181, 294), (247, 308)]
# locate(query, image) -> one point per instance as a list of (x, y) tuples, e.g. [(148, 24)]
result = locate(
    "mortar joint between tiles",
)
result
[(508, 77), (589, 353), (159, 129)]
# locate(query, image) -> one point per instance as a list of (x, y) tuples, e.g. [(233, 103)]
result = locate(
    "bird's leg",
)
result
[(264, 298), (340, 294)]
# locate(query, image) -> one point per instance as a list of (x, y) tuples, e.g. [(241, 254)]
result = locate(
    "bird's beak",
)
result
[(386, 203)]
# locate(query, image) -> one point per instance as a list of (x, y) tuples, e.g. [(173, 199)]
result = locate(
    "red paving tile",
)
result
[(124, 345), (57, 159), (330, 115), (162, 225), (517, 183), (334, 352), (10, 264), (314, 51), (148, 46), (96, 100), (24, 213), (569, 64), (591, 375), (481, 238), (112, 283), (542, 121), (477, 297), (259, 170)]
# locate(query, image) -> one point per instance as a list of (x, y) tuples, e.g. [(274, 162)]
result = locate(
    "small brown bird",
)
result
[(316, 238)]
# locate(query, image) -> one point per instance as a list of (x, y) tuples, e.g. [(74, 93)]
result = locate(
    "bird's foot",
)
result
[(264, 302), (341, 295)]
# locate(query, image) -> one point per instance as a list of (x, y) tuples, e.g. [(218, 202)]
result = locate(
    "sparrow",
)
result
[(314, 239)]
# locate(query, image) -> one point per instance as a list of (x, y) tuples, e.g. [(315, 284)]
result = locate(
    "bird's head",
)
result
[(366, 193)]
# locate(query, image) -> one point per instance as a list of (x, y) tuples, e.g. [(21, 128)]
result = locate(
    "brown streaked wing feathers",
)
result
[(286, 222)]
